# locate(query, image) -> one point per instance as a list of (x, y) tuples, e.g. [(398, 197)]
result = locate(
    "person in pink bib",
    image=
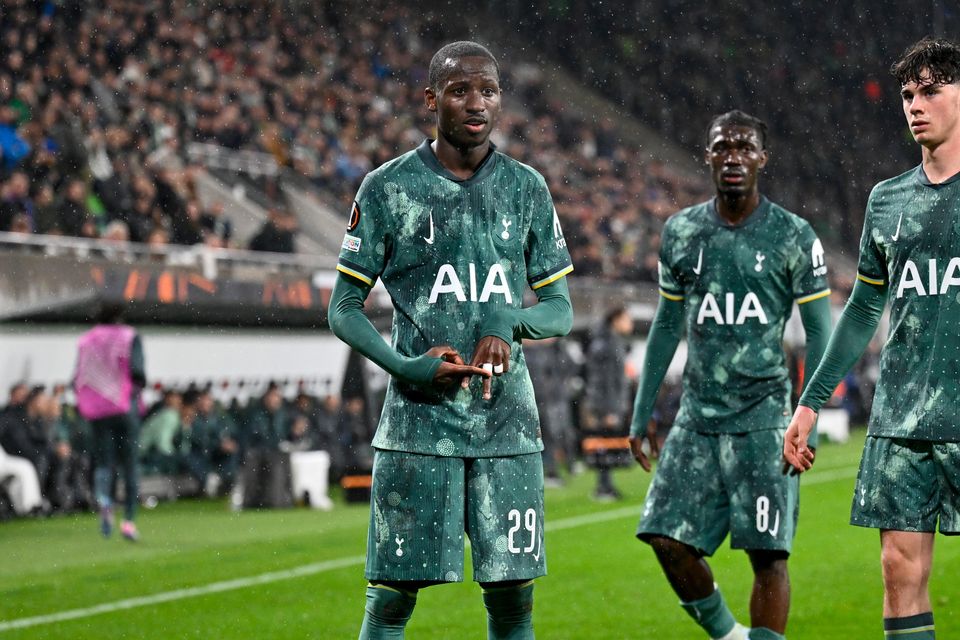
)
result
[(109, 377)]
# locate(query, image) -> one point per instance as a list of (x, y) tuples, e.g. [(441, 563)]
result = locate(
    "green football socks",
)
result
[(509, 612), (762, 633), (711, 613), (387, 612), (918, 627)]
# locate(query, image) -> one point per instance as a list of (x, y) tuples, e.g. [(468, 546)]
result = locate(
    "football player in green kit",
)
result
[(731, 270), (456, 231), (910, 257)]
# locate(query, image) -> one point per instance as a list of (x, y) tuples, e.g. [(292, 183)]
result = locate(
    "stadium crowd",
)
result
[(97, 108)]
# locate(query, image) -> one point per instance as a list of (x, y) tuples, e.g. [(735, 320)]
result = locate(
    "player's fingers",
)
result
[(800, 461), (504, 361), (788, 468), (652, 439), (643, 461), (487, 385), (470, 370), (790, 456)]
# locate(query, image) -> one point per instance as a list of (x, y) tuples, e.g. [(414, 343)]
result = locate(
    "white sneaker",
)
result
[(739, 632), (212, 485)]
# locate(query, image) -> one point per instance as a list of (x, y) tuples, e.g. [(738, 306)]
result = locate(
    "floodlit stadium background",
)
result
[(198, 161)]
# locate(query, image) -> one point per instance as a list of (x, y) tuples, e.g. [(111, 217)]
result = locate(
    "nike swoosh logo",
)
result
[(699, 263), (897, 234), (430, 238), (536, 556)]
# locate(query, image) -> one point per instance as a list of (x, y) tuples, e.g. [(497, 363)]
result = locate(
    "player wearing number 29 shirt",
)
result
[(457, 232), (731, 270)]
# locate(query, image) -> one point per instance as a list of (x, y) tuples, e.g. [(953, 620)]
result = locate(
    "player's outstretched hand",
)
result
[(493, 356), (796, 453), (453, 368)]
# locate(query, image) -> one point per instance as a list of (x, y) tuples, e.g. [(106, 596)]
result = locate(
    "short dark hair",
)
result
[(938, 58), (613, 313), (440, 71), (738, 118), (109, 312)]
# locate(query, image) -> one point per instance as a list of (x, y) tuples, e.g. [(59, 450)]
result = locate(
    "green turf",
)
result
[(602, 582)]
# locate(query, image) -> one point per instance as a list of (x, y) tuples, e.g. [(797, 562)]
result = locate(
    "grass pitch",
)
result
[(203, 572)]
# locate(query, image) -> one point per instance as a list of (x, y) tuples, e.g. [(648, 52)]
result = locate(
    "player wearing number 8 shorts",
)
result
[(731, 270), (457, 232)]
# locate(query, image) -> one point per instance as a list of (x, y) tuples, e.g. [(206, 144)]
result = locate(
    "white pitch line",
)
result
[(322, 567)]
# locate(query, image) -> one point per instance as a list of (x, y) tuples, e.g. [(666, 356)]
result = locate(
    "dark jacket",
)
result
[(607, 387)]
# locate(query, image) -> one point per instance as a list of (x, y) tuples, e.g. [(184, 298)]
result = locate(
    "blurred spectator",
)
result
[(13, 148), (15, 201), (116, 232), (211, 447), (158, 434), (18, 478), (72, 214), (355, 435), (265, 471), (20, 224), (23, 433), (606, 401), (187, 225), (216, 225), (550, 369), (157, 238), (277, 234), (68, 484), (16, 396)]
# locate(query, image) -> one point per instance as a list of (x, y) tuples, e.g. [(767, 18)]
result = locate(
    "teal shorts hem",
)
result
[(908, 485)]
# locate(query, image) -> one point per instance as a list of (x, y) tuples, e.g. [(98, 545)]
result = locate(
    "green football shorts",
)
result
[(709, 484), (908, 485), (421, 505)]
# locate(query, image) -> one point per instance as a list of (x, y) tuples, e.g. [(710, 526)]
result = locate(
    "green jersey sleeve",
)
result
[(365, 247), (546, 252), (670, 278), (872, 268), (808, 269)]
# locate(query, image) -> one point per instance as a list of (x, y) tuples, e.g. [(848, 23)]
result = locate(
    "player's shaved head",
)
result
[(929, 61), (444, 61), (737, 118)]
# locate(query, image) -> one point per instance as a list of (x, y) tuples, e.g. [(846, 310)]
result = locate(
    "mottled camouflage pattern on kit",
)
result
[(908, 485), (910, 223), (709, 484), (496, 227), (735, 378), (417, 518)]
